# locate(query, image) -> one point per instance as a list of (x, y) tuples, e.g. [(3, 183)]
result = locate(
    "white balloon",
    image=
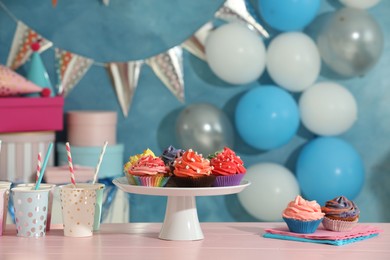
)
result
[(293, 61), (328, 109), (272, 187), (235, 53), (361, 4)]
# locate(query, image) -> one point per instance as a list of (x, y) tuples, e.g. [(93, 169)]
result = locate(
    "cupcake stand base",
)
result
[(181, 216)]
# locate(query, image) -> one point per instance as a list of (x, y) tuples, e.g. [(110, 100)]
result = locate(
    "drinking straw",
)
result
[(0, 145), (39, 164), (99, 162), (71, 170), (44, 166)]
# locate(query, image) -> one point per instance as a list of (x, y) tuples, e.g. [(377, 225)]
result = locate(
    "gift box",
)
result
[(91, 128), (112, 164), (19, 155), (24, 114), (61, 175)]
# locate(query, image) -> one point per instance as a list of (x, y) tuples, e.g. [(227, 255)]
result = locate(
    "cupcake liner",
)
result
[(149, 181), (338, 225), (192, 182), (301, 226), (230, 180)]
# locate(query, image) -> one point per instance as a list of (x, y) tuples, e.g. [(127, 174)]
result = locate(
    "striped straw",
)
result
[(72, 179), (99, 162), (39, 165)]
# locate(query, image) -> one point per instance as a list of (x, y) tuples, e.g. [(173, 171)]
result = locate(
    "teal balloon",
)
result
[(328, 167), (289, 15), (37, 73), (267, 117)]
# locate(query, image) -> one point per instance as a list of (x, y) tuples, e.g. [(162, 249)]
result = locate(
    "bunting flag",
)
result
[(21, 45), (124, 77), (233, 10), (70, 69), (195, 44), (168, 67)]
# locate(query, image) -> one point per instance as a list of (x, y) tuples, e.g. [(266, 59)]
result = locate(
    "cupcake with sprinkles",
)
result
[(341, 214), (227, 167), (192, 170), (146, 170)]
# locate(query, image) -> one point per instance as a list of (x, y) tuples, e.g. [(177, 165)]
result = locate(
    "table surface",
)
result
[(222, 241)]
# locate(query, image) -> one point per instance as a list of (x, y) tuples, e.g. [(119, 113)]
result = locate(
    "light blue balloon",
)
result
[(289, 15), (328, 167), (267, 117)]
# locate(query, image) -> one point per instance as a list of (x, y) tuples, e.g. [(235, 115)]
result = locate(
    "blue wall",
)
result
[(138, 29)]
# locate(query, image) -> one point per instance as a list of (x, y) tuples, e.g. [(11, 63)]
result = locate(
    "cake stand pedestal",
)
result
[(181, 216)]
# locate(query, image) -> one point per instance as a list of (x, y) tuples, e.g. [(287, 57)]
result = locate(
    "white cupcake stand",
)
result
[(181, 217)]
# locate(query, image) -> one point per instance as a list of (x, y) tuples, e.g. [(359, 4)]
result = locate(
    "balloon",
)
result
[(267, 117), (327, 108), (204, 128), (361, 4), (235, 53), (289, 15), (272, 188), (351, 42), (293, 61), (328, 167)]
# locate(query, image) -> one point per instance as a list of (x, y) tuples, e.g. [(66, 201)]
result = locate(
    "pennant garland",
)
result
[(124, 78), (195, 44), (21, 45), (168, 67), (233, 11), (70, 69)]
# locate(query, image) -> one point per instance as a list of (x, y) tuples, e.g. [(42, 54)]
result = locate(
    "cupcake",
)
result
[(303, 216), (227, 168), (341, 214), (192, 170), (169, 155), (146, 170)]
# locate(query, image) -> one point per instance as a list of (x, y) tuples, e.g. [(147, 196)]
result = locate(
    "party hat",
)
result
[(37, 72), (13, 84)]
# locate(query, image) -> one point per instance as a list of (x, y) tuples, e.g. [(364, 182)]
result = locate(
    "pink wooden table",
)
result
[(222, 241)]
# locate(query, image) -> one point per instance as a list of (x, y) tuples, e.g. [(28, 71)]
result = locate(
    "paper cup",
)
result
[(31, 208), (4, 197), (78, 209), (50, 202), (99, 187)]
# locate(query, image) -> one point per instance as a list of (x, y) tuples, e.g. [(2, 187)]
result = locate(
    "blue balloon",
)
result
[(267, 117), (328, 167), (289, 15)]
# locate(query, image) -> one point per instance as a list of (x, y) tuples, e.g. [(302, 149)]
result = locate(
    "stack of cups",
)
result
[(4, 196), (81, 208)]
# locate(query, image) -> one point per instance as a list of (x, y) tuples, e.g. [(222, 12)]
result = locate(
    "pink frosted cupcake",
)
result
[(227, 167), (341, 214), (192, 170), (147, 170), (303, 216)]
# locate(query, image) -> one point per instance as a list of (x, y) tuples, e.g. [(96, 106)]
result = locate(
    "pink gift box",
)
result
[(61, 174), (19, 155), (91, 128), (23, 114)]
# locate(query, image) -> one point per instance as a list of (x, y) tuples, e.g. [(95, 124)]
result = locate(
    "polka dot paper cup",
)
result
[(31, 208), (78, 209)]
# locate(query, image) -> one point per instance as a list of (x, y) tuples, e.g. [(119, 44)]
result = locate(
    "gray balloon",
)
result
[(204, 128), (351, 42)]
